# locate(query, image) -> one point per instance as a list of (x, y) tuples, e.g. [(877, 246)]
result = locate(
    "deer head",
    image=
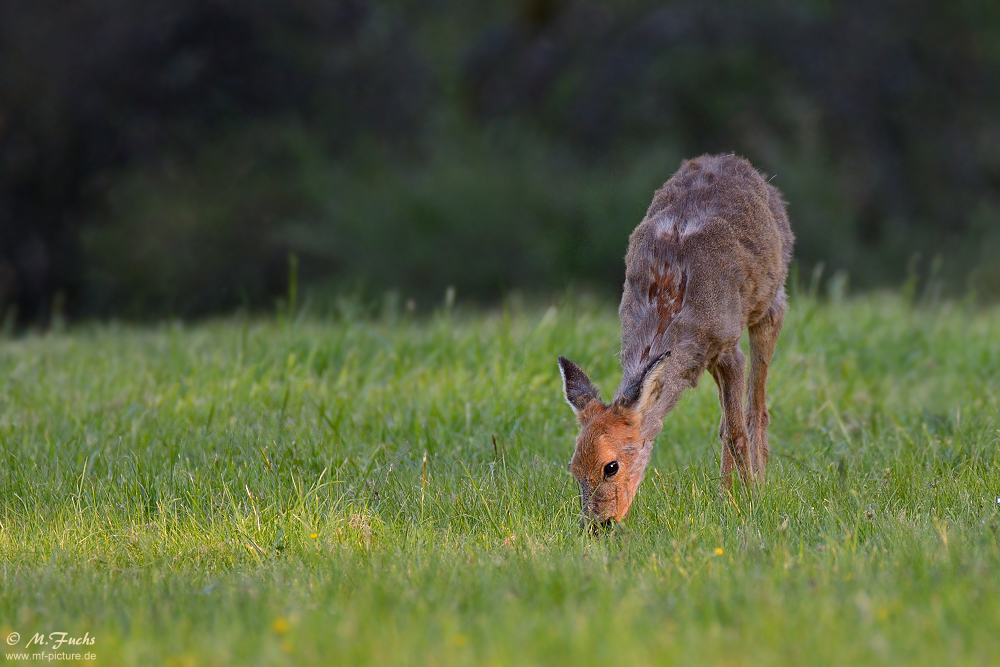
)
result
[(615, 440)]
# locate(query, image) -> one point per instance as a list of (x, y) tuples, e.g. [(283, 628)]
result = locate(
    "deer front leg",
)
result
[(763, 337), (729, 372)]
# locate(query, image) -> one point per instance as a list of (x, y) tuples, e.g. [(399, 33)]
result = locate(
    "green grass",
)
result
[(255, 492)]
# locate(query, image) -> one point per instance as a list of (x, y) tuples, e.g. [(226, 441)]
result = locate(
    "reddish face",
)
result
[(609, 461), (612, 451)]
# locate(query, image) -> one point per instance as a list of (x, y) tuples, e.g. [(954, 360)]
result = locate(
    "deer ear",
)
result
[(652, 384), (649, 394), (629, 395), (579, 390)]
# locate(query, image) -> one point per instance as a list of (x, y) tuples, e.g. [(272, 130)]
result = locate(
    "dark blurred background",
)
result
[(169, 157)]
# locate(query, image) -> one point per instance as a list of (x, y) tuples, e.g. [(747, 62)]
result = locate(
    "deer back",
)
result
[(709, 258)]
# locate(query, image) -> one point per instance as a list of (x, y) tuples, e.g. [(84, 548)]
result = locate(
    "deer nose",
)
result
[(596, 527)]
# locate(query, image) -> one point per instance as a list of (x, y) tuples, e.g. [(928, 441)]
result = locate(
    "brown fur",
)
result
[(708, 261)]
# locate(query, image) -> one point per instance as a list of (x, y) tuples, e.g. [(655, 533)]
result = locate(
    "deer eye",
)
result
[(611, 469)]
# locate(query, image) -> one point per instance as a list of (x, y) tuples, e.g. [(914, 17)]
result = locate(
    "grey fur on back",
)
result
[(708, 261)]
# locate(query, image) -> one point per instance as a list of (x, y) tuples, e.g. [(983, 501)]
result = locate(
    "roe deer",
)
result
[(708, 261)]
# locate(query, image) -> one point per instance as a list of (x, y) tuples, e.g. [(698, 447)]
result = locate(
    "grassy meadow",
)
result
[(349, 489)]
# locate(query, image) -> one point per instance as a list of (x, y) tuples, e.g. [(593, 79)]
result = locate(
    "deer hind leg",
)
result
[(729, 371), (763, 336)]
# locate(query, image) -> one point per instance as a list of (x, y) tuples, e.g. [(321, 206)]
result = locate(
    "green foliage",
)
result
[(485, 214), (490, 146), (190, 237), (338, 489)]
